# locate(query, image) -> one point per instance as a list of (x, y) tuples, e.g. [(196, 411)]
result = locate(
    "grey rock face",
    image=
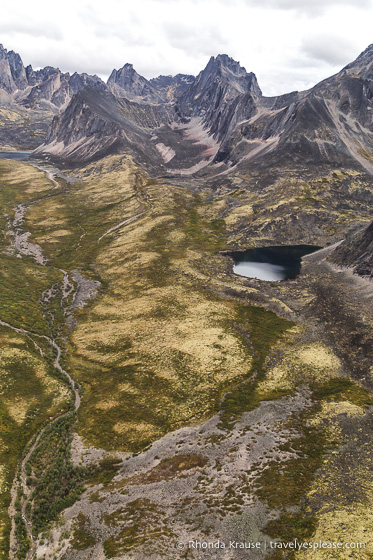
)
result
[(221, 71), (35, 77), (58, 88), (363, 65), (127, 83), (78, 82), (53, 88)]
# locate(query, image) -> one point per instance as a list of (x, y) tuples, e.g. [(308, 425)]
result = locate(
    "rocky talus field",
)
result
[(151, 399)]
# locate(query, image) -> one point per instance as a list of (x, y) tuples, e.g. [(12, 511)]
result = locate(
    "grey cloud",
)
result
[(195, 40), (128, 29), (128, 36), (31, 28), (285, 80), (326, 48)]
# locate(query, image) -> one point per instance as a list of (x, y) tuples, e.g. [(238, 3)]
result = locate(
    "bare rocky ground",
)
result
[(176, 484)]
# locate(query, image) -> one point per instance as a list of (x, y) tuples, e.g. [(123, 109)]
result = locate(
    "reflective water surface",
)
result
[(15, 155)]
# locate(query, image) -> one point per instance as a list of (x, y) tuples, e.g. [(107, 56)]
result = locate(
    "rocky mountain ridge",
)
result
[(215, 123), (331, 123), (186, 135), (29, 99), (233, 126), (126, 82), (33, 88), (215, 90)]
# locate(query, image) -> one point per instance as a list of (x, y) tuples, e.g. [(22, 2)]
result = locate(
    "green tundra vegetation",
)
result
[(169, 340)]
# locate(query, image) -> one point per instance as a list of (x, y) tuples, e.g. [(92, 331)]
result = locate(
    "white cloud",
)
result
[(309, 7)]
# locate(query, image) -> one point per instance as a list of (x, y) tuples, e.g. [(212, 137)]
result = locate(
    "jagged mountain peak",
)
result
[(3, 50), (50, 69), (12, 72), (325, 125), (225, 69), (47, 87), (126, 70), (126, 82), (217, 92), (227, 62), (224, 63)]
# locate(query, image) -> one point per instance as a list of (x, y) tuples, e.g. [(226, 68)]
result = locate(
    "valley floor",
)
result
[(213, 408)]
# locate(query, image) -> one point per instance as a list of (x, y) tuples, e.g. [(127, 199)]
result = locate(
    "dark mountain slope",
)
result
[(356, 251), (97, 122)]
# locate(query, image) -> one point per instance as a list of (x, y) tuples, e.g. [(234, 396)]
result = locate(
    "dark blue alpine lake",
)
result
[(273, 264)]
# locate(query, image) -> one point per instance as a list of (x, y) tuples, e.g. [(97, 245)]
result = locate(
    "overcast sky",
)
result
[(289, 44)]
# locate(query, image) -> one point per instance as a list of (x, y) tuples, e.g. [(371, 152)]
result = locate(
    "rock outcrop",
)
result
[(356, 251), (32, 88), (58, 88), (216, 93), (170, 88), (12, 72)]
